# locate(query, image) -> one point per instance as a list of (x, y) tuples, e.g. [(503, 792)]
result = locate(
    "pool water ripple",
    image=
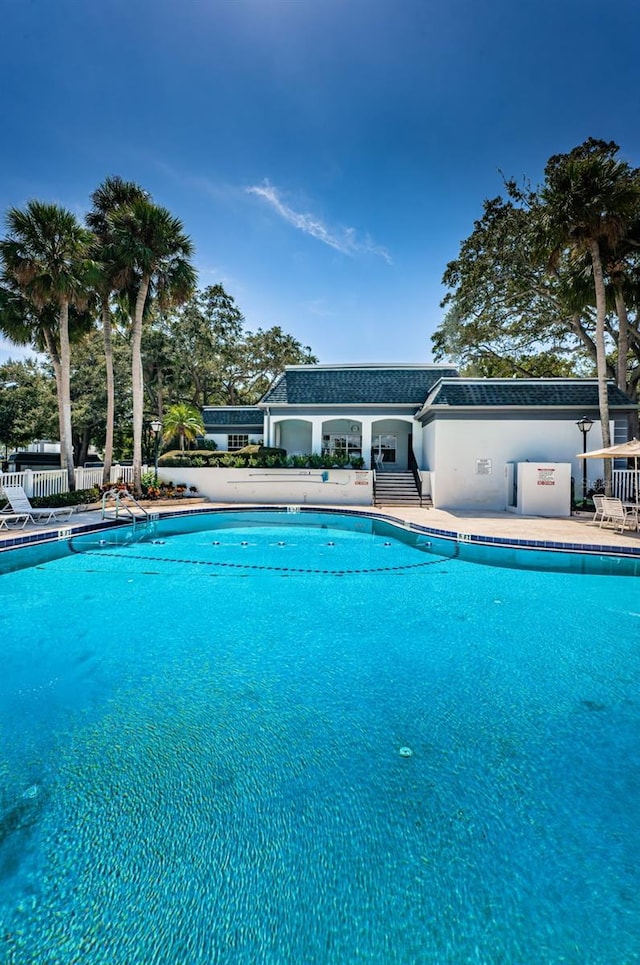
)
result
[(218, 759)]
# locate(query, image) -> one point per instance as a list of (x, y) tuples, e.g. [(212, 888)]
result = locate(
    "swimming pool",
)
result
[(204, 739)]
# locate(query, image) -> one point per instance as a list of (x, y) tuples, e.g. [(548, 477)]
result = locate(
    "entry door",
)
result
[(386, 447)]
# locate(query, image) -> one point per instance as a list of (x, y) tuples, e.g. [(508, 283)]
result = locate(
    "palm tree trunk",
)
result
[(108, 355), (137, 381), (623, 351), (601, 357), (623, 337), (54, 355), (61, 359)]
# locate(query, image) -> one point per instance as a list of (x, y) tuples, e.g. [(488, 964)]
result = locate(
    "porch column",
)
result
[(316, 435), (266, 428), (366, 442)]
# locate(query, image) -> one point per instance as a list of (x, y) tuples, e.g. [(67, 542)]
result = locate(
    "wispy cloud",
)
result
[(345, 240), (318, 307)]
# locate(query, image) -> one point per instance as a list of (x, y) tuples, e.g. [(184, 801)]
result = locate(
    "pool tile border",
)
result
[(478, 539), (57, 534)]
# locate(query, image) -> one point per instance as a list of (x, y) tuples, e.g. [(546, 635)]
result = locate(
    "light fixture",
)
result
[(155, 425), (584, 424)]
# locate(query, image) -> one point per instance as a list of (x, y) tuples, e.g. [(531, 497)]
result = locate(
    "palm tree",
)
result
[(154, 252), (114, 193), (184, 421), (46, 266), (589, 200)]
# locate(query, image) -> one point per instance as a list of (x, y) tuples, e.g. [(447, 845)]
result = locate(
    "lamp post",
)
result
[(584, 424), (155, 427)]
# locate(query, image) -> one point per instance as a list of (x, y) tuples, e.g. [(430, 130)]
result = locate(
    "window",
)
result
[(237, 441), (386, 447), (343, 443)]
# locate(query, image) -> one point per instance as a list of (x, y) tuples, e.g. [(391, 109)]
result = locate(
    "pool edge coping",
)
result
[(505, 542)]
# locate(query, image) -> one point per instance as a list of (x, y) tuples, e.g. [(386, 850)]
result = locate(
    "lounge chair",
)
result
[(20, 505), (597, 502), (614, 511), (13, 519)]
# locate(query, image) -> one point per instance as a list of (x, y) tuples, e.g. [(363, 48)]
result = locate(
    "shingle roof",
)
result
[(526, 392), (367, 385), (248, 417)]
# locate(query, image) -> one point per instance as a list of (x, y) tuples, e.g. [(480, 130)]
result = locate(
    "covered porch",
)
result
[(383, 444)]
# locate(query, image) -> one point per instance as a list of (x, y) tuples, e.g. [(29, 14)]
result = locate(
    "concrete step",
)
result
[(396, 489)]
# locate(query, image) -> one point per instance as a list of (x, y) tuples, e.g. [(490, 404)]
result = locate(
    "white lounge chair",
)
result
[(11, 520), (614, 511), (597, 502), (20, 505)]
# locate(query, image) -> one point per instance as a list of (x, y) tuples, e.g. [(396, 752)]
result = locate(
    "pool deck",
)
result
[(575, 532)]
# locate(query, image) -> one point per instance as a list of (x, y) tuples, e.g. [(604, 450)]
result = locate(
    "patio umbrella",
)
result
[(624, 450)]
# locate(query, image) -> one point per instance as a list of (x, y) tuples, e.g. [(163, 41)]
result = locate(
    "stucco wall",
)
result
[(277, 486), (470, 456)]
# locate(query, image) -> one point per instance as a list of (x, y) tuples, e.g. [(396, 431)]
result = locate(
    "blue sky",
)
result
[(326, 156)]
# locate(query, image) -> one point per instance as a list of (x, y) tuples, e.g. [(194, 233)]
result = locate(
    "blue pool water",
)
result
[(200, 756)]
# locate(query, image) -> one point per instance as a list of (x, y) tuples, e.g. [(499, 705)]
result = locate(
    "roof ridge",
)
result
[(371, 366)]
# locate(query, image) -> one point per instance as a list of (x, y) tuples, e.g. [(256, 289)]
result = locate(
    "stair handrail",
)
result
[(117, 494), (417, 475)]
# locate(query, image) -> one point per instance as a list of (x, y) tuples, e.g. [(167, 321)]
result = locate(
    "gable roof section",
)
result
[(519, 393), (356, 384)]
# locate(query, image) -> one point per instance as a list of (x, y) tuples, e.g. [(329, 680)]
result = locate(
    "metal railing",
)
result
[(414, 468), (119, 502)]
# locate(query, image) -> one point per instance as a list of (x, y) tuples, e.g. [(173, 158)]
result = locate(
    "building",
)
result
[(458, 435)]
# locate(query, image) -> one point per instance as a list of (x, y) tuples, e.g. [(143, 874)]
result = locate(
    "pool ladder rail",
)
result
[(119, 503)]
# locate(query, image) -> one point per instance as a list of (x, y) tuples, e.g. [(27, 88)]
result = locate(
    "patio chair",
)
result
[(614, 511), (597, 502), (19, 503), (13, 519)]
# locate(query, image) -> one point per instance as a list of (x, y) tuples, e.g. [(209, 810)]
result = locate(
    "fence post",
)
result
[(28, 483)]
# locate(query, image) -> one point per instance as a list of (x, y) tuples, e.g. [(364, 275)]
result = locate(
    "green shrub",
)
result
[(147, 479), (256, 457), (259, 450), (57, 500)]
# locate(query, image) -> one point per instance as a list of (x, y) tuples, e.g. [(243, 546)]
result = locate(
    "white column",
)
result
[(316, 434), (366, 442)]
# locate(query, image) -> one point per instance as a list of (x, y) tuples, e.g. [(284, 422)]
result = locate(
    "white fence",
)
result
[(48, 482), (625, 484)]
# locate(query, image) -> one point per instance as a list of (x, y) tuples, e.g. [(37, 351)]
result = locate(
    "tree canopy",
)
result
[(163, 346), (522, 296), (214, 359)]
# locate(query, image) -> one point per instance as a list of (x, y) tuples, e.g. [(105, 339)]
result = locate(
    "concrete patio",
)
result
[(578, 529)]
